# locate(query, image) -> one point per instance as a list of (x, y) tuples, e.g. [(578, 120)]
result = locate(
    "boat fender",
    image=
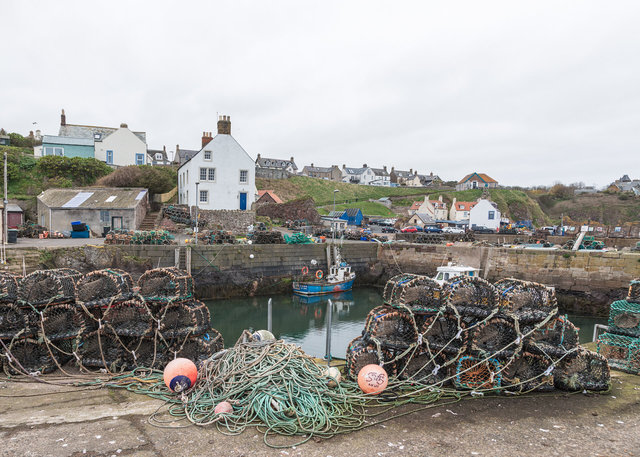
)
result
[(305, 270), (319, 274)]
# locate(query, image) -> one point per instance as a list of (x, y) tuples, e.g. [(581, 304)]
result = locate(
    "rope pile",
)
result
[(620, 345), (100, 321), (475, 336)]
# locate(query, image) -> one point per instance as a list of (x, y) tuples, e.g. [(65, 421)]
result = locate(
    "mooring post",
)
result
[(329, 318), (188, 260), (269, 315), (177, 258)]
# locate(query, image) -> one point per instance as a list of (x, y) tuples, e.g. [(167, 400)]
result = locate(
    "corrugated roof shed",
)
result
[(93, 198)]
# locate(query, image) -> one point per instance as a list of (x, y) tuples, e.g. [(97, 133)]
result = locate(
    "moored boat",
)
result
[(339, 279)]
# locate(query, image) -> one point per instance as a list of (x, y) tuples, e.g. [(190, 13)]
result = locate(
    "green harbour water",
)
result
[(302, 320)]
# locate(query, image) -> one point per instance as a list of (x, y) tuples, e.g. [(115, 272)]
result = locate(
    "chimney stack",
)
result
[(63, 118), (410, 171), (292, 159), (384, 167), (364, 165), (206, 137), (224, 125)]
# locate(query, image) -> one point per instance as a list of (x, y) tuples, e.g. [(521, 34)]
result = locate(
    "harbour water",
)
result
[(302, 320)]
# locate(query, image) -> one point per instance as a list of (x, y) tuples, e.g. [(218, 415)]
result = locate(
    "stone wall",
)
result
[(234, 220)]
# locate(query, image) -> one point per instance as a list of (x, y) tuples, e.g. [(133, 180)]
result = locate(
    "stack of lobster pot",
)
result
[(44, 309), (620, 345), (183, 324), (476, 336)]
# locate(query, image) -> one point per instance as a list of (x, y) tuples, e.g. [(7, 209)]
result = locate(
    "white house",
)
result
[(219, 176), (485, 213), (121, 148), (382, 177), (436, 209), (460, 210), (363, 175)]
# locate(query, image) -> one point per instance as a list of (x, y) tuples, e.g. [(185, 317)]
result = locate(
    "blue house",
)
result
[(66, 146), (354, 216)]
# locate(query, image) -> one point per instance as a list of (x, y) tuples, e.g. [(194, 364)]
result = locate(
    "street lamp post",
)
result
[(195, 229), (334, 214)]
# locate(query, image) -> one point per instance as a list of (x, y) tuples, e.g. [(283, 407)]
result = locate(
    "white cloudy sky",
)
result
[(528, 92)]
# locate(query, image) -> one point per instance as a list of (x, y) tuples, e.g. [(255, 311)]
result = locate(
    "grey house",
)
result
[(98, 207), (275, 168)]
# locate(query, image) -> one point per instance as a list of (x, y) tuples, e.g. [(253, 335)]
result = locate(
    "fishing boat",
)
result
[(450, 271), (339, 279)]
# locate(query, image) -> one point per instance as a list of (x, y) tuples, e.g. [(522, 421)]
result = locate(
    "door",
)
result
[(116, 222), (243, 201)]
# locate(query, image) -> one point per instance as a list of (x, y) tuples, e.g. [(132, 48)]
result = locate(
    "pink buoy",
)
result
[(224, 407), (180, 374)]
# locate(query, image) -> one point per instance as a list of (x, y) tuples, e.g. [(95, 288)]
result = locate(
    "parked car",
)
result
[(411, 229), (456, 230), (389, 230), (482, 229), (432, 229)]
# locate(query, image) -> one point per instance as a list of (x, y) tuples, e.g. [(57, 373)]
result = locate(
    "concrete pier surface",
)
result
[(39, 419)]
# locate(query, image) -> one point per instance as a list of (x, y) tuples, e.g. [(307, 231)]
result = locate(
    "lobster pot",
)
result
[(391, 328), (164, 285), (102, 287), (16, 320), (445, 334), (46, 287), (99, 349), (8, 287), (420, 294), (361, 353), (622, 352), (476, 374), (624, 318), (177, 320), (554, 338), (130, 318), (496, 337), (149, 353), (35, 357), (471, 296), (634, 291), (199, 348), (527, 372), (61, 322), (582, 370), (423, 368), (270, 237), (528, 301)]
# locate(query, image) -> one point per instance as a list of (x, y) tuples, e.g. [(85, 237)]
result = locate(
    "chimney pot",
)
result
[(224, 125), (384, 167), (63, 118), (206, 138), (311, 164), (292, 159), (410, 170), (124, 126), (344, 166)]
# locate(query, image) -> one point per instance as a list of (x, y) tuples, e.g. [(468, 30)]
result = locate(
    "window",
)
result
[(187, 178), (104, 216), (53, 151), (212, 174), (244, 176), (97, 136), (109, 156), (139, 159), (207, 155), (203, 174), (492, 215), (204, 196), (158, 156)]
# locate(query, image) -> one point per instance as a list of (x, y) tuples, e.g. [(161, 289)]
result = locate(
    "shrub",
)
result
[(82, 172), (157, 179)]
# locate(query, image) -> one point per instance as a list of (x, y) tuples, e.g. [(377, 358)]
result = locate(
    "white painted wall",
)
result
[(480, 215), (228, 159), (125, 145)]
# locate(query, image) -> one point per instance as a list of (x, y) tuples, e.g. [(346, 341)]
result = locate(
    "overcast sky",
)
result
[(527, 92)]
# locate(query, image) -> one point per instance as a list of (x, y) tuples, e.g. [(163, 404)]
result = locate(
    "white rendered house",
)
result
[(121, 148), (219, 176), (485, 214)]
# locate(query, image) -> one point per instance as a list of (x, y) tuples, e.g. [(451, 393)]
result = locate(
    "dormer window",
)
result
[(158, 156), (97, 136)]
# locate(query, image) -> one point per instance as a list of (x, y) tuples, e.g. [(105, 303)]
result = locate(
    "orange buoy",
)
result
[(180, 374), (372, 379), (224, 407), (449, 244)]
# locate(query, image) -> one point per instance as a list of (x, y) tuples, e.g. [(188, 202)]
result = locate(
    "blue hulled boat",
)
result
[(339, 279)]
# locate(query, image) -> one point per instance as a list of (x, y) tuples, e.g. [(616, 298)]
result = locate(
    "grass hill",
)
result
[(607, 209)]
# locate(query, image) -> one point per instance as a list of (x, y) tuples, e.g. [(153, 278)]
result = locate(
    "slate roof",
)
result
[(428, 179), (426, 218), (265, 162), (96, 198), (352, 212), (318, 169), (184, 155), (336, 214), (380, 172), (403, 173), (354, 171), (88, 131), (152, 153), (71, 141)]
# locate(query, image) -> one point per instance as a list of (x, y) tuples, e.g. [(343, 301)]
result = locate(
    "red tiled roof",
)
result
[(271, 194), (483, 176), (416, 205), (465, 206), (438, 204)]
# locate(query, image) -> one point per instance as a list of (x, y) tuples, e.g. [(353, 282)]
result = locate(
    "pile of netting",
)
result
[(181, 215), (472, 335), (620, 345), (267, 237), (100, 321), (216, 237), (298, 238), (122, 236)]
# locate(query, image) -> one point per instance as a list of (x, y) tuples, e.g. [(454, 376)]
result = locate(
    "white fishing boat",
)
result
[(450, 271)]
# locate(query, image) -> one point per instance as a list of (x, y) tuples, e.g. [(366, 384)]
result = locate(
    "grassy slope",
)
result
[(604, 208), (367, 208)]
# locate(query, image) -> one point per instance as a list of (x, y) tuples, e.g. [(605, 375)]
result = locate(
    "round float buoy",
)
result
[(251, 256), (449, 244), (372, 379), (334, 376), (180, 374), (305, 270), (319, 274), (263, 335), (224, 407)]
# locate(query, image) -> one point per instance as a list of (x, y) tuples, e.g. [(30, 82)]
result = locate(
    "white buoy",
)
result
[(251, 256), (263, 335), (334, 374)]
